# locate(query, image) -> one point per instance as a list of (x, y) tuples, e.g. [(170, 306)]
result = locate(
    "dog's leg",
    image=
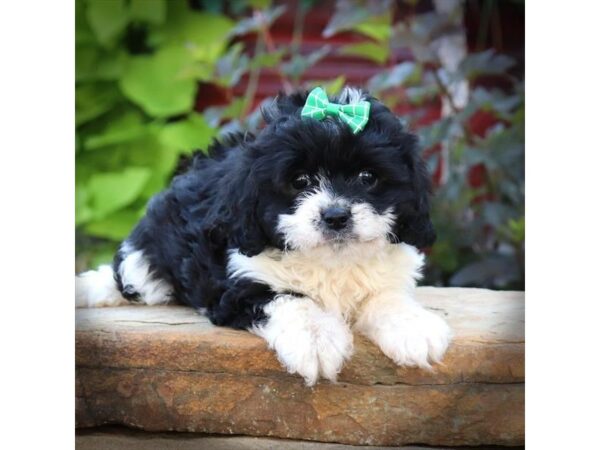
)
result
[(130, 279), (96, 288), (307, 340), (404, 331)]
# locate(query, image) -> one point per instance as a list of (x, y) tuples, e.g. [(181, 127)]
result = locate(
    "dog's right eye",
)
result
[(302, 181)]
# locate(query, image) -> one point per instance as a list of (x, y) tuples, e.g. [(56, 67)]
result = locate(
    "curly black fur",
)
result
[(232, 198)]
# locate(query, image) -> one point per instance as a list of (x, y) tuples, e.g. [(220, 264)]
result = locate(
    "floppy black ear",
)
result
[(246, 232), (414, 225)]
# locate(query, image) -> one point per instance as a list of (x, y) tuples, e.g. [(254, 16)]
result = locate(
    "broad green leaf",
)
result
[(368, 50), (83, 211), (107, 19), (124, 128), (377, 27), (187, 135), (484, 63), (151, 153), (421, 51), (103, 255), (203, 34), (516, 228), (150, 11), (435, 133), (157, 85), (97, 64), (332, 87), (298, 64), (260, 4), (231, 66), (421, 94), (111, 191), (93, 100), (270, 59), (496, 214), (215, 114), (83, 33), (444, 256), (117, 226), (365, 18), (396, 76)]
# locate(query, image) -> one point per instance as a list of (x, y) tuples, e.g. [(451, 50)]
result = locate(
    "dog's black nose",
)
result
[(336, 217)]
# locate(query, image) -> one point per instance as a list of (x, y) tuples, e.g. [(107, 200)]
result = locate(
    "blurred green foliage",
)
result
[(138, 68)]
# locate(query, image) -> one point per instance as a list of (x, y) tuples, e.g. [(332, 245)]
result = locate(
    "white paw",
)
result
[(414, 337), (307, 340)]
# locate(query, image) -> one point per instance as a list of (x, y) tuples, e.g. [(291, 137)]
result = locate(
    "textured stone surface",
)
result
[(119, 438), (167, 368)]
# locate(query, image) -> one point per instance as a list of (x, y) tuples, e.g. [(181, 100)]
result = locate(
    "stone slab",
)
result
[(167, 368), (118, 438)]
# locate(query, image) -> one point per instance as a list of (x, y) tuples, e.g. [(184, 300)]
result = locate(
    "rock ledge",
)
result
[(168, 369)]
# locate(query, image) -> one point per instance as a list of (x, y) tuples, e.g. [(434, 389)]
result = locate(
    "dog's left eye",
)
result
[(367, 178), (302, 181)]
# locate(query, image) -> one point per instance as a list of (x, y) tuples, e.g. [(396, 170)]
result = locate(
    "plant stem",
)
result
[(253, 78), (268, 39)]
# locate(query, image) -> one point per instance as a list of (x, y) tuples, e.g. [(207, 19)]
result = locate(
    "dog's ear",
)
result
[(245, 231), (413, 224), (234, 220)]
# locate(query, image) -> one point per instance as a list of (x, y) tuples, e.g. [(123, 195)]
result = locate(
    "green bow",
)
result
[(318, 106)]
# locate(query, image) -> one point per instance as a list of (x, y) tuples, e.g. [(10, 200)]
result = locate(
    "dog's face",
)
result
[(314, 183)]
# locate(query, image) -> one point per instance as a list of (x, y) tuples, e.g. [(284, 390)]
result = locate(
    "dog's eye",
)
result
[(302, 181), (367, 178)]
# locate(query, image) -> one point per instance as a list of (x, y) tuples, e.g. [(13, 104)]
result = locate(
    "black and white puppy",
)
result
[(298, 235)]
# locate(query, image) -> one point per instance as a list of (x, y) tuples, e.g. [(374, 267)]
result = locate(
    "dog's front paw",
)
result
[(414, 337), (308, 341)]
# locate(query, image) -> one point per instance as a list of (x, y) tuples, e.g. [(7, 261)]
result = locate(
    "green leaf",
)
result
[(420, 94), (332, 87), (444, 256), (372, 19), (150, 11), (116, 227), (216, 114), (484, 63), (203, 34), (102, 255), (231, 66), (93, 100), (377, 27), (296, 66), (96, 64), (107, 19), (83, 33), (187, 135), (493, 271), (254, 23), (270, 59), (396, 76), (368, 50), (259, 4), (435, 133), (157, 85), (124, 128), (497, 214), (83, 211), (111, 191)]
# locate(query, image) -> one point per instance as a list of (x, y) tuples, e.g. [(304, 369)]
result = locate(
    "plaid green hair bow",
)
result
[(318, 106)]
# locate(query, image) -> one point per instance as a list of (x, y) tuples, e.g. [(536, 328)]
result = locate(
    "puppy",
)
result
[(299, 234)]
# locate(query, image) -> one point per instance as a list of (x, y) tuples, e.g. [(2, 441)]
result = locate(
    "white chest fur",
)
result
[(341, 279)]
